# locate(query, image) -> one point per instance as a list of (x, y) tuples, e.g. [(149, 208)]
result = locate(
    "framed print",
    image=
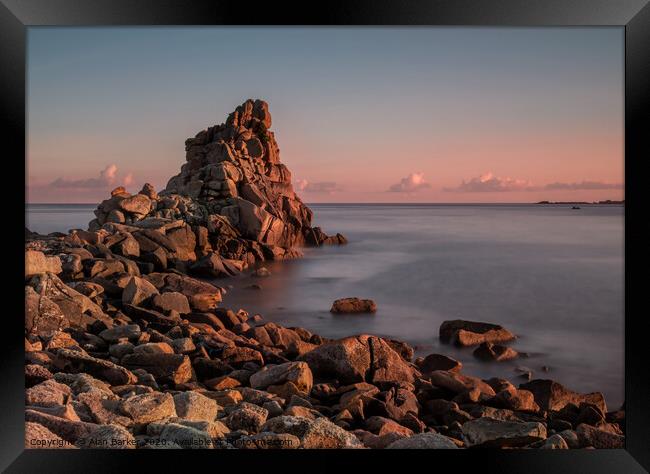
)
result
[(258, 233)]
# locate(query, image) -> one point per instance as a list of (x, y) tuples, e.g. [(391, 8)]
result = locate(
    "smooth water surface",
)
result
[(551, 274)]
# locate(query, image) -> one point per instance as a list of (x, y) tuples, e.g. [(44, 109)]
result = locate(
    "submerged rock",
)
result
[(471, 333)]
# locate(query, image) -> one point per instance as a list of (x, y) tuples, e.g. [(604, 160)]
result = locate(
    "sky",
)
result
[(414, 114)]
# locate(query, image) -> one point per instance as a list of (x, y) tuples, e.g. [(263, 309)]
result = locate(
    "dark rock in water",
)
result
[(353, 305), (471, 333), (262, 272), (496, 352), (434, 362)]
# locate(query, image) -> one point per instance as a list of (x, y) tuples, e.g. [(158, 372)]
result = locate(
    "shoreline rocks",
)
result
[(126, 348)]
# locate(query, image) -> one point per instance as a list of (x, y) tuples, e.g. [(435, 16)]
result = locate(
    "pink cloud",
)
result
[(327, 187), (412, 183), (488, 183), (107, 177)]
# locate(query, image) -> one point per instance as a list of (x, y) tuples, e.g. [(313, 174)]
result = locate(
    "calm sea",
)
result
[(552, 275)]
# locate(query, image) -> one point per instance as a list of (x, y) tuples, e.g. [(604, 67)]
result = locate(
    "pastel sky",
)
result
[(361, 114)]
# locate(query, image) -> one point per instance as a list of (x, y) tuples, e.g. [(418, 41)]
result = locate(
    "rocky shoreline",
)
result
[(128, 345)]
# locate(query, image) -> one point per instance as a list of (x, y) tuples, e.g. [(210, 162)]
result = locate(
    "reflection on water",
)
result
[(551, 274)]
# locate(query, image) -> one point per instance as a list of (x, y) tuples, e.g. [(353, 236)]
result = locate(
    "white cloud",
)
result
[(412, 183)]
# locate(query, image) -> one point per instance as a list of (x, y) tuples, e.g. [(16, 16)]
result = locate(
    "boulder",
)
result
[(424, 441), (553, 396), (434, 362), (42, 315), (114, 334), (138, 292), (374, 441), (47, 394), (77, 362), (139, 204), (490, 433), (381, 426), (78, 309), (148, 407), (361, 358), (496, 352), (196, 407), (37, 262), (204, 302), (169, 301), (323, 434), (238, 356), (554, 442), (297, 373), (247, 417), (35, 374), (212, 266), (183, 345), (69, 430), (184, 436), (517, 400), (38, 436), (154, 348), (149, 191), (184, 241), (459, 383), (471, 333), (108, 437), (599, 439), (353, 305), (175, 368)]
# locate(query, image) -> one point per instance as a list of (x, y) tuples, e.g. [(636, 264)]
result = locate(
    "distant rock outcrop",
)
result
[(234, 186)]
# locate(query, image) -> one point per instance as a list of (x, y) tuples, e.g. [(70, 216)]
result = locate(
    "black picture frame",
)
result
[(632, 15)]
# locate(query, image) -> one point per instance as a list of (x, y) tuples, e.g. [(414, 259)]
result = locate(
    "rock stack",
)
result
[(124, 349), (232, 187)]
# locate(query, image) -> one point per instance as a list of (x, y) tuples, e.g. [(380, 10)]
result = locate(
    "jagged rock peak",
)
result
[(232, 183)]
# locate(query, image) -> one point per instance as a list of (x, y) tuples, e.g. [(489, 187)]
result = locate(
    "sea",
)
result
[(551, 274)]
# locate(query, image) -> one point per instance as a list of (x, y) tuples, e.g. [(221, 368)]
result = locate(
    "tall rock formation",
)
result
[(234, 186)]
